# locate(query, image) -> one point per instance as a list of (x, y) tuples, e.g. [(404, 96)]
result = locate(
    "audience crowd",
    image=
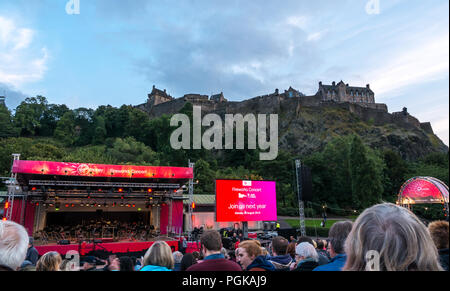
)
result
[(384, 237)]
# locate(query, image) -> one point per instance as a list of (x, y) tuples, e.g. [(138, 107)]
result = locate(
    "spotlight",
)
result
[(149, 190)]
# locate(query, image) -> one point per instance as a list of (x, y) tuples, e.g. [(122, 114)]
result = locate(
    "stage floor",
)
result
[(113, 247)]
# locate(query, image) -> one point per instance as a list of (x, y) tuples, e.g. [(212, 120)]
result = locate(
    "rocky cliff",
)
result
[(307, 124)]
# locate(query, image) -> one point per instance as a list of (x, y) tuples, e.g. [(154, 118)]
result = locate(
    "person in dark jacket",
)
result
[(281, 260), (306, 256), (213, 260), (187, 261), (338, 234), (439, 234), (32, 253), (251, 258)]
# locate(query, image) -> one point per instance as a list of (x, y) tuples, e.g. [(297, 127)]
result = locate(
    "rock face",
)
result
[(308, 123)]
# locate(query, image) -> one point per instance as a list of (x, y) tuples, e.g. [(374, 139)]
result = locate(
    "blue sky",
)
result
[(114, 51)]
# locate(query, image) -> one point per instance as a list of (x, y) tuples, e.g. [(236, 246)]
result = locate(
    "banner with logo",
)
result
[(240, 200)]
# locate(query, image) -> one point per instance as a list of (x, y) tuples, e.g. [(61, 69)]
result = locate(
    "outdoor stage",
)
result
[(127, 206)]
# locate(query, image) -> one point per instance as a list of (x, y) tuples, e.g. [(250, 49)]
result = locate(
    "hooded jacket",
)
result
[(281, 263), (260, 264)]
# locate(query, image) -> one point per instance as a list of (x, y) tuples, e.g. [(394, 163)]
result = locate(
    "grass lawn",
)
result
[(295, 223)]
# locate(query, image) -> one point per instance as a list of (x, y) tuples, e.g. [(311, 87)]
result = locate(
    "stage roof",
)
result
[(100, 170)]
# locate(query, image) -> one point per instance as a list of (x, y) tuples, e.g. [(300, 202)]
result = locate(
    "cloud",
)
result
[(21, 62), (13, 97), (425, 63)]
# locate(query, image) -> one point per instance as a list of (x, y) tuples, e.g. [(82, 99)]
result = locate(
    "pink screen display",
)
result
[(238, 200)]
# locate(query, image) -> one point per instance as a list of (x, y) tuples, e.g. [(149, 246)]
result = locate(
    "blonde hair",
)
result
[(159, 254), (49, 262), (400, 238)]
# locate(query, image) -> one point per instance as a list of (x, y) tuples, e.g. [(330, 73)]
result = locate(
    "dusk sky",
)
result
[(114, 51)]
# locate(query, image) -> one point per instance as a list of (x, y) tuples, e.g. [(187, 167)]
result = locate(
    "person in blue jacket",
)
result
[(337, 236), (158, 258)]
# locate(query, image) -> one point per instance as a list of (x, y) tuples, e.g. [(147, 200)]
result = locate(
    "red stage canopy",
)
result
[(98, 170), (423, 190)]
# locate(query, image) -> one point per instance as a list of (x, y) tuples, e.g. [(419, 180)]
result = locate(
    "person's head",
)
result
[(211, 242), (187, 261), (126, 264), (248, 251), (305, 239), (399, 238), (89, 263), (50, 261), (264, 251), (196, 255), (13, 244), (319, 244), (30, 241), (305, 251), (439, 233), (337, 235), (291, 249), (224, 253), (177, 256), (279, 246), (159, 254)]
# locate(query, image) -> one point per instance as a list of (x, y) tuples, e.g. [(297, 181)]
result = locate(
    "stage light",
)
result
[(33, 189), (73, 205), (139, 209), (67, 205), (193, 205), (120, 190), (81, 204), (134, 205), (149, 190), (4, 219), (37, 203), (121, 197), (6, 205)]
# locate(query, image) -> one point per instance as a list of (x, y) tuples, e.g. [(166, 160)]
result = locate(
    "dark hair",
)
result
[(279, 245), (126, 264), (211, 240), (305, 239), (338, 234), (187, 261), (320, 244)]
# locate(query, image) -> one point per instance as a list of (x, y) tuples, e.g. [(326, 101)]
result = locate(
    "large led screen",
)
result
[(240, 200)]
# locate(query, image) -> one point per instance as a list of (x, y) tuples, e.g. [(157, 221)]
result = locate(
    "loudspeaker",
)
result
[(306, 184), (64, 242)]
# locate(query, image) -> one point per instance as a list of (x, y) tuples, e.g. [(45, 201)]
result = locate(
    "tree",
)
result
[(366, 182), (130, 151), (65, 129), (6, 125), (99, 131), (29, 114)]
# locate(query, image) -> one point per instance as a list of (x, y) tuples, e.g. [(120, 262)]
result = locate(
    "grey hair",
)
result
[(13, 244), (397, 235), (307, 250), (177, 257)]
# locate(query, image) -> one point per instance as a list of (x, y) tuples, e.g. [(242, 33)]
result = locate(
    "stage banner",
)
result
[(423, 190), (99, 170), (239, 200)]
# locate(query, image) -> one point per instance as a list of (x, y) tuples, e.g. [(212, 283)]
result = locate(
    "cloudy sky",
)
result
[(114, 51)]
